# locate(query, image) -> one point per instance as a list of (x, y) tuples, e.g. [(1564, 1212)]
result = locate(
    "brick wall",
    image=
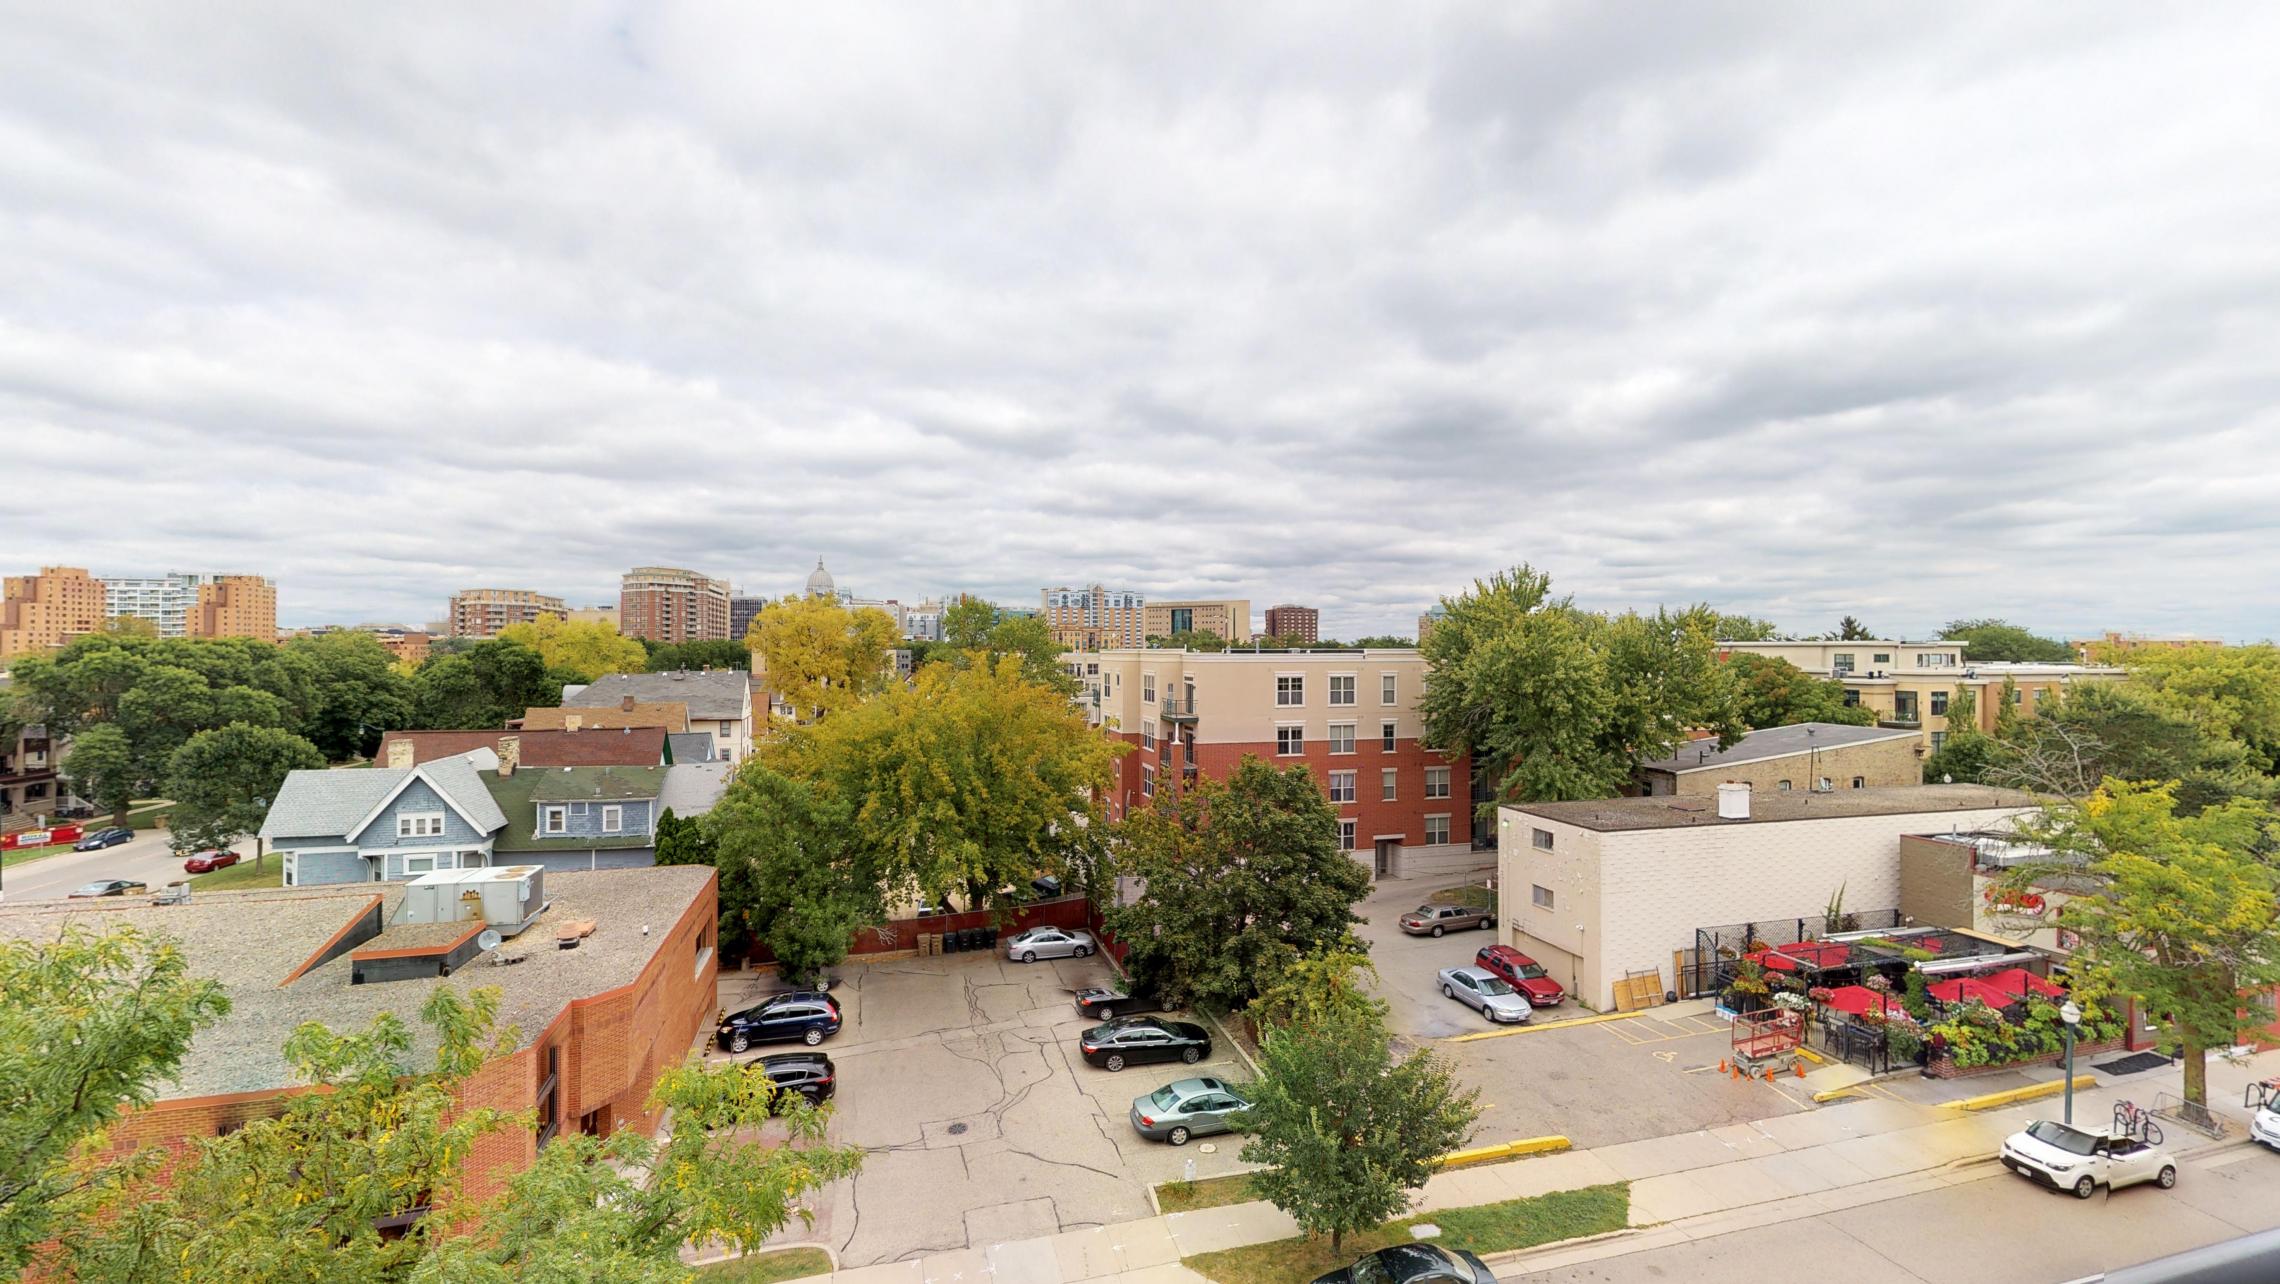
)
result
[(1935, 882)]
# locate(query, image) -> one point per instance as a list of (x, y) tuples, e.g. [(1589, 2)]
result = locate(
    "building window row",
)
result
[(1290, 690), (1341, 688), (1290, 741), (1341, 737), (1437, 830), (1341, 786)]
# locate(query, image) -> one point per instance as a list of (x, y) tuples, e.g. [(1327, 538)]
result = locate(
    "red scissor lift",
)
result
[(1766, 1042)]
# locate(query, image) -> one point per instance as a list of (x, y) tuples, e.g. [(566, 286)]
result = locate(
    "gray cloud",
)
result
[(1798, 310)]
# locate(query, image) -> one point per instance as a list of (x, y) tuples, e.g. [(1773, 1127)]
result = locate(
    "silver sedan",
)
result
[(1491, 994), (1049, 943)]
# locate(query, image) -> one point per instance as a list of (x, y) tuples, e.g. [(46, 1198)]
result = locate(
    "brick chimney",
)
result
[(400, 754), (625, 704), (510, 754)]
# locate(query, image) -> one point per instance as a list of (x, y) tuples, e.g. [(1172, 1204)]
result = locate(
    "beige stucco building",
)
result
[(1911, 684), (1807, 755), (1229, 618)]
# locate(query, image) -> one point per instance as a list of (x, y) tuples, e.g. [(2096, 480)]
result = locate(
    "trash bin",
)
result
[(950, 942)]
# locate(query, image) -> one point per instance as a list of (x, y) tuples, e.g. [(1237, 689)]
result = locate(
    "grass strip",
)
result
[(767, 1267), (1469, 897), (1211, 1192), (1483, 1229)]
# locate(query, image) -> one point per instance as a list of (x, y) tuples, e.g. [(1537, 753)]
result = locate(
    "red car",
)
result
[(1525, 974), (206, 862)]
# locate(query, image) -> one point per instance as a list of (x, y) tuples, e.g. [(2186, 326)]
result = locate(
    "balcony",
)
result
[(1175, 709), (1901, 722)]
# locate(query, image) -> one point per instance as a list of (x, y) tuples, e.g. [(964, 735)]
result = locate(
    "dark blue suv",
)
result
[(810, 1016)]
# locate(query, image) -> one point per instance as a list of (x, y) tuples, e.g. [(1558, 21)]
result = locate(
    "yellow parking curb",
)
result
[(2012, 1096), (1812, 1056), (1502, 1150), (1532, 1027)]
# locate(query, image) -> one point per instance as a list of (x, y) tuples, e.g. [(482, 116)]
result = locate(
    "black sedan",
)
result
[(1133, 1041), (102, 838), (1099, 1003), (808, 1074), (1412, 1264), (108, 887), (810, 1016)]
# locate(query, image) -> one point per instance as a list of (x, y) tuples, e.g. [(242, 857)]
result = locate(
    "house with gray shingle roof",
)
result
[(719, 702)]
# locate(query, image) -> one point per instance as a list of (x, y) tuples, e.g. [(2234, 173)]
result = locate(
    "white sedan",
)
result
[(2065, 1158), (1048, 943)]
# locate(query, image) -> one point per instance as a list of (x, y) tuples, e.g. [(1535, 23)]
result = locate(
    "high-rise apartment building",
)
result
[(743, 608), (669, 604), (44, 611), (1227, 618), (1294, 623), (1094, 618), (482, 612), (183, 605)]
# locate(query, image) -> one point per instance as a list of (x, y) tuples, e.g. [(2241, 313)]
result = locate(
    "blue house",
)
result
[(376, 824)]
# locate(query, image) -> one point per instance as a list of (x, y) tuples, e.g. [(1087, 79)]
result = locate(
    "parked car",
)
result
[(1486, 992), (810, 1016), (1099, 1003), (206, 862), (1046, 886), (810, 1074), (102, 838), (109, 887), (1521, 973), (2263, 1100), (1433, 920), (1133, 1041), (2065, 1158), (1049, 943), (1412, 1264), (1186, 1108)]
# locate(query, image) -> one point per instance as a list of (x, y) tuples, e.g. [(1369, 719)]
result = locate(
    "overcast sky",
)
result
[(1907, 311)]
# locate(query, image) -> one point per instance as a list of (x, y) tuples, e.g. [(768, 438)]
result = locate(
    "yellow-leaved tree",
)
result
[(585, 648), (821, 657)]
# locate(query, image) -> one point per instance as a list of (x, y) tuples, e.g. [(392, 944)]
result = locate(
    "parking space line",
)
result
[(1534, 1028)]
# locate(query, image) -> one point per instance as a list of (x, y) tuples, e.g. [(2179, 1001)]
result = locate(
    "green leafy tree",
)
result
[(1990, 640), (1384, 641), (100, 767), (2113, 729), (482, 687), (1852, 630), (967, 622), (357, 694), (579, 650), (2231, 693), (222, 782), (1742, 628), (1202, 640), (93, 1024), (1240, 878), (804, 885), (819, 656), (1564, 703), (683, 842), (696, 657), (1967, 753), (1772, 692), (1345, 1130)]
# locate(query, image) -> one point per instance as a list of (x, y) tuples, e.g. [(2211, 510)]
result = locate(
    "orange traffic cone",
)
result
[(1721, 1062), (1799, 1067)]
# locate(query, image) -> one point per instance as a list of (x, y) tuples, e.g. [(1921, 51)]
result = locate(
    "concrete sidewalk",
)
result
[(1777, 1169)]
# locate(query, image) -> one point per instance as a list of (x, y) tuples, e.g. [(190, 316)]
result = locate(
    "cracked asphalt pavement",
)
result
[(959, 1076)]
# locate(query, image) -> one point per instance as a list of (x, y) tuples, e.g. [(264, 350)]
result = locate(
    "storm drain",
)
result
[(958, 1130)]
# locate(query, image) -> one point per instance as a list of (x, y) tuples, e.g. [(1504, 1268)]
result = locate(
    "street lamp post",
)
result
[(2071, 1014)]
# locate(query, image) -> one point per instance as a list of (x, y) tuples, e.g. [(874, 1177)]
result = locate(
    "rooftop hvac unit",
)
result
[(507, 898)]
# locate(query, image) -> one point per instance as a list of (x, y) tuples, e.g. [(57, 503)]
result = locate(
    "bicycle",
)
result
[(2133, 1120)]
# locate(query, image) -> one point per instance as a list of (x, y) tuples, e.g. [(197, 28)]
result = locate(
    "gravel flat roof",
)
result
[(251, 941), (1766, 806)]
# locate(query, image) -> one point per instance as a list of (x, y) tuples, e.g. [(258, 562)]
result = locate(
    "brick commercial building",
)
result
[(1909, 684), (1350, 717), (42, 612), (1294, 623), (482, 612), (1229, 618), (595, 1024), (1598, 890), (1095, 618), (668, 604), (1807, 755)]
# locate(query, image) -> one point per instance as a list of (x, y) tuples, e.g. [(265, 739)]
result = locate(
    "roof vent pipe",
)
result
[(1733, 801)]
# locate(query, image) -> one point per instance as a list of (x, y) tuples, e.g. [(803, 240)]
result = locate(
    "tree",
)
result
[(804, 884), (708, 653), (1564, 703), (1386, 641), (582, 650), (100, 767), (1742, 628), (967, 622), (2230, 693), (482, 687), (301, 1196), (820, 657), (93, 1024), (357, 693), (1852, 630), (1987, 641), (222, 782), (683, 842), (2113, 729), (1344, 1130), (2182, 911), (1197, 640), (1772, 692), (1240, 878), (1965, 752)]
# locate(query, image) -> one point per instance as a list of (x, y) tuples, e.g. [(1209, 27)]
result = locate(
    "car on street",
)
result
[(1433, 920), (1186, 1108), (206, 862), (1412, 1264), (99, 839), (1100, 1003), (2073, 1159), (1049, 943), (2263, 1102), (109, 887), (809, 1074), (1135, 1041), (1487, 993), (1521, 973), (809, 1016)]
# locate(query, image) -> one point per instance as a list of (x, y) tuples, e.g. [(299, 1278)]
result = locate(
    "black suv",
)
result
[(809, 1016), (810, 1074), (1099, 1003), (1139, 1040)]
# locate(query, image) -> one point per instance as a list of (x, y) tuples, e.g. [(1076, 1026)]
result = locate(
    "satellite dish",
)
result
[(489, 940)]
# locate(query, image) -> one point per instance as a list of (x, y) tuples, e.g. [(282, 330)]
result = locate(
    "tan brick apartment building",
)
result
[(235, 606), (597, 1024), (42, 612), (668, 604), (1294, 623), (1807, 755), (1910, 684), (1095, 618), (482, 612), (1229, 618), (1350, 717)]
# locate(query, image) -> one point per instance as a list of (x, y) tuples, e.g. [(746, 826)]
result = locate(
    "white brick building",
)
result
[(1596, 889)]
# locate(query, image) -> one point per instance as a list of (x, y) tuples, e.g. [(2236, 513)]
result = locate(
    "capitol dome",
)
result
[(820, 582)]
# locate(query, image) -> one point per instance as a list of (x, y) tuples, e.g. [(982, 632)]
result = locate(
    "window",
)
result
[(419, 824), (1436, 830), (1386, 779), (1389, 688), (1852, 697), (1147, 735), (1436, 782), (1541, 839), (1939, 704), (1290, 740), (1881, 657), (292, 867), (613, 819), (1841, 662), (1385, 736), (549, 1115), (420, 864), (1540, 895), (1939, 738), (2018, 694), (1147, 780), (1936, 660), (703, 945), (1341, 688), (1346, 835), (1904, 706), (1859, 781), (1783, 786), (1290, 690), (1147, 688), (1341, 786), (579, 811), (1341, 737), (553, 820)]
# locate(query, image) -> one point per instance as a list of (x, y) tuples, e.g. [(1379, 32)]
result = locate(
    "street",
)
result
[(50, 878)]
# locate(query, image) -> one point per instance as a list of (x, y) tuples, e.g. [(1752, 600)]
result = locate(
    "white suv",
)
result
[(2065, 1158)]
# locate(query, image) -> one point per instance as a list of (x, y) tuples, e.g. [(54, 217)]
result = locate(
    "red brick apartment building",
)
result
[(1349, 716), (597, 1023)]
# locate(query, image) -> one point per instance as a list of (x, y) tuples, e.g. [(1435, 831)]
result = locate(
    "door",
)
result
[(1388, 857)]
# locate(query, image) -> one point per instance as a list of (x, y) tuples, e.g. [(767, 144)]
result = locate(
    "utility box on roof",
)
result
[(505, 897)]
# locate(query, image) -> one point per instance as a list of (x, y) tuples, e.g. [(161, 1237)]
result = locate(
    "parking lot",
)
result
[(960, 1075), (1598, 1084)]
